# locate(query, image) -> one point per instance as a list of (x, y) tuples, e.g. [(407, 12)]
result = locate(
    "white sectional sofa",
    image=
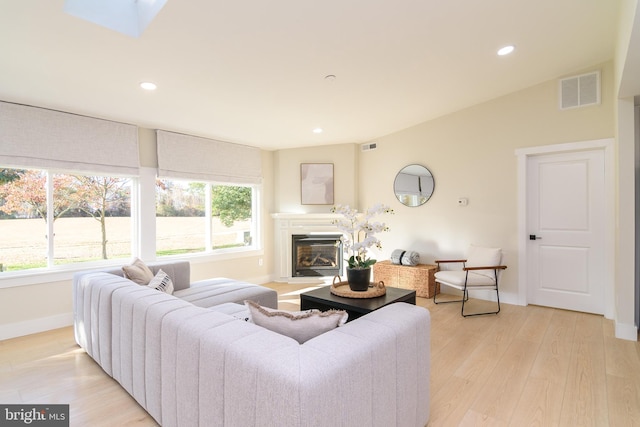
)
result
[(189, 361)]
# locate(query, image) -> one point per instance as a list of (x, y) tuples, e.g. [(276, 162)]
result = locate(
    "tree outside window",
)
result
[(77, 201)]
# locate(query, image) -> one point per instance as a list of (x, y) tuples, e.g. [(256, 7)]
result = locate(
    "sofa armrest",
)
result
[(179, 271)]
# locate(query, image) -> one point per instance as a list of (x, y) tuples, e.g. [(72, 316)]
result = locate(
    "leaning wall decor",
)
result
[(316, 183), (414, 185)]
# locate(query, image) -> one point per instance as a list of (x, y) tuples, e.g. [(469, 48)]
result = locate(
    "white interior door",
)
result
[(566, 227)]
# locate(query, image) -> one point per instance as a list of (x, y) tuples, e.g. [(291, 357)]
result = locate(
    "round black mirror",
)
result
[(413, 185)]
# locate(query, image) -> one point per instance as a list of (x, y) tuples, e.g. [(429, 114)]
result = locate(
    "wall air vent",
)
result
[(580, 91), (369, 147)]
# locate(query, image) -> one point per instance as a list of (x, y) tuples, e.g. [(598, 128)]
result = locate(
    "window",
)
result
[(196, 216), (49, 218), (180, 217), (231, 216), (87, 217)]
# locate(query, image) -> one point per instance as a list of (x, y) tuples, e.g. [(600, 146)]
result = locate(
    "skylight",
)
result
[(130, 17)]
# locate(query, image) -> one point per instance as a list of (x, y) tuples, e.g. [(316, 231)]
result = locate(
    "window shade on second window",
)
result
[(194, 158), (35, 137)]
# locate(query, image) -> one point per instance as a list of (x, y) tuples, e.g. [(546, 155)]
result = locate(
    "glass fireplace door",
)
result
[(316, 255)]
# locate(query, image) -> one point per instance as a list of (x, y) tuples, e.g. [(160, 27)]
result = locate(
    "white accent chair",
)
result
[(481, 270)]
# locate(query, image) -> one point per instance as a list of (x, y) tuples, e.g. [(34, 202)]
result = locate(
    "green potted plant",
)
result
[(359, 234)]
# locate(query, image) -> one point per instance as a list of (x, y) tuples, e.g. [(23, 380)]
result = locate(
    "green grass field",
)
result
[(23, 242)]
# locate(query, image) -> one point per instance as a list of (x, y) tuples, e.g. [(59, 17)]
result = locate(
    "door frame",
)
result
[(610, 196)]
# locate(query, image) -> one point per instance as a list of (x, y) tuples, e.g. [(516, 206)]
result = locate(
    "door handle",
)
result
[(534, 237)]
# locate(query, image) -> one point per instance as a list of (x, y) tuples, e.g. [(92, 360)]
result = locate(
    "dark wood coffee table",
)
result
[(322, 299)]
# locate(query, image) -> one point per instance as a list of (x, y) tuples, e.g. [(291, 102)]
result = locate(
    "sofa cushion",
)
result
[(238, 311), (138, 272), (212, 292), (299, 325), (162, 282)]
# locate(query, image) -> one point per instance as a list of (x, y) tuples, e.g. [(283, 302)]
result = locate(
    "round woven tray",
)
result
[(342, 289)]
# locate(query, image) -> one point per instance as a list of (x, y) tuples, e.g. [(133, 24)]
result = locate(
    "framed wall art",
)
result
[(316, 183)]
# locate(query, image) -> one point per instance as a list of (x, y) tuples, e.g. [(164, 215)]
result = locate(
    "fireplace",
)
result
[(316, 255)]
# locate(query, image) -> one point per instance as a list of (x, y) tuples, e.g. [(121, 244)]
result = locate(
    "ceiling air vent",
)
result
[(369, 147), (579, 91)]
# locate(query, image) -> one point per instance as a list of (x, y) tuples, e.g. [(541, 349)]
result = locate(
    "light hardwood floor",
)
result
[(527, 366)]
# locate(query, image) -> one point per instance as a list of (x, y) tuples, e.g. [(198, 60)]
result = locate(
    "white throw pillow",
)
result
[(138, 272), (484, 257), (299, 325), (162, 282)]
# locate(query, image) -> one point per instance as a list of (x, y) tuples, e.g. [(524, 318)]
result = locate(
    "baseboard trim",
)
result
[(259, 280), (28, 327), (626, 332)]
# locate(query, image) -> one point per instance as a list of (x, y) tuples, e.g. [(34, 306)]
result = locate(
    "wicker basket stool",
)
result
[(419, 277)]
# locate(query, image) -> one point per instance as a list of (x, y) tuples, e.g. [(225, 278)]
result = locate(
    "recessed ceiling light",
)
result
[(148, 86), (317, 130), (506, 50)]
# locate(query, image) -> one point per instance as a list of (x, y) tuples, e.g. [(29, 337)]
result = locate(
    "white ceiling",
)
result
[(253, 72)]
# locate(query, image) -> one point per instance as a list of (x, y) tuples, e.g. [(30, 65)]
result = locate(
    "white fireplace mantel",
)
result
[(288, 224)]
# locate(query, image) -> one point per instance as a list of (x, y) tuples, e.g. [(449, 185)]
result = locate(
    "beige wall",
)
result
[(287, 176), (148, 148), (626, 290), (29, 309), (471, 154)]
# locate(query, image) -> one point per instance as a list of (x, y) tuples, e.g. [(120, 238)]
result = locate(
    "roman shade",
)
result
[(195, 158), (32, 137)]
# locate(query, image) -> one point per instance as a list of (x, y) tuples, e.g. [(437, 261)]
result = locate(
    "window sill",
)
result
[(64, 273)]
